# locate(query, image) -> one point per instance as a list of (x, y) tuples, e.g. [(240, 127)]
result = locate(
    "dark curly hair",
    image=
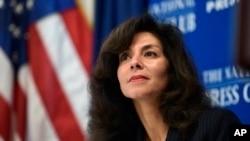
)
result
[(112, 115)]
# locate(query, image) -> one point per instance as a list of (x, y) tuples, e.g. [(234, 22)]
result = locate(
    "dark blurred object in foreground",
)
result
[(243, 41)]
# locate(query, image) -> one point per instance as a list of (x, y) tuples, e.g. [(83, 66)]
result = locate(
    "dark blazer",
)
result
[(213, 125)]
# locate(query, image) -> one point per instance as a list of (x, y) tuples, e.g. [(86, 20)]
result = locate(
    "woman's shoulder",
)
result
[(214, 124), (214, 115)]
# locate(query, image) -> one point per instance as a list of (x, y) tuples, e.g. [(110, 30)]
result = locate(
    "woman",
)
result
[(145, 87)]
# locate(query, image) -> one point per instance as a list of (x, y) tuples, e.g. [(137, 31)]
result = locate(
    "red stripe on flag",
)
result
[(81, 35), (5, 120), (20, 110), (51, 92)]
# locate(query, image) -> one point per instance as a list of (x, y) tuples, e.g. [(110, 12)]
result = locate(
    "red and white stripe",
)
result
[(61, 82), (20, 104), (6, 93), (52, 87), (39, 126)]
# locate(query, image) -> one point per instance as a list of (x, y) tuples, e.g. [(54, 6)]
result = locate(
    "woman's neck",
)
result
[(152, 120)]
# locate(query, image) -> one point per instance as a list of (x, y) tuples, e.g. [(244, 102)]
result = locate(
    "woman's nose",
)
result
[(136, 63)]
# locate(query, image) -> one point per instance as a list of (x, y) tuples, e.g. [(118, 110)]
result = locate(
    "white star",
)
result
[(16, 32), (30, 4), (13, 3), (19, 8), (15, 57), (12, 27), (1, 4)]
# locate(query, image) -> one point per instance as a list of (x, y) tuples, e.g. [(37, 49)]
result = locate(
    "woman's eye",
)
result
[(124, 57), (150, 54)]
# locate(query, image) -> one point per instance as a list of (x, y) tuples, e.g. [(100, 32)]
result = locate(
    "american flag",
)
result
[(45, 60)]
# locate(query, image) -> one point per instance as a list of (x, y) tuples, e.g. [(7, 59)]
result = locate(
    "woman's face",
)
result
[(143, 68)]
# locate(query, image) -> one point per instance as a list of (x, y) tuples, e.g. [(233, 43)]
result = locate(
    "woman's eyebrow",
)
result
[(148, 46), (145, 47)]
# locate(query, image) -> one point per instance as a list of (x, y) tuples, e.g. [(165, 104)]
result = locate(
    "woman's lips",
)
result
[(136, 78)]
